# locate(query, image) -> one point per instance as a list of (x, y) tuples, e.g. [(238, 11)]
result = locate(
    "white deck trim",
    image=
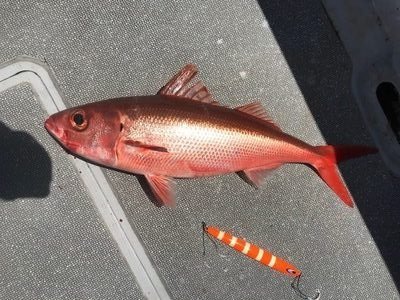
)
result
[(37, 74)]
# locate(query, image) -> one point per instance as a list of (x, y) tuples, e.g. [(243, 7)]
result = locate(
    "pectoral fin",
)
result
[(256, 177), (143, 146), (163, 188)]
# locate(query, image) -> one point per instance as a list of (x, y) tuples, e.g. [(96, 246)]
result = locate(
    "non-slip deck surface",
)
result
[(285, 55)]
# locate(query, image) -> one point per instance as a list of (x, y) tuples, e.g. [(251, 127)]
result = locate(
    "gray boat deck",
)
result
[(58, 240)]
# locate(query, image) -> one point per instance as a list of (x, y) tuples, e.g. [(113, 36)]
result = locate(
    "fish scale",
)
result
[(183, 132), (201, 145)]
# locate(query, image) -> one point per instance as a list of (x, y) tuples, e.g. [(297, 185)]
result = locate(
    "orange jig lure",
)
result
[(263, 256)]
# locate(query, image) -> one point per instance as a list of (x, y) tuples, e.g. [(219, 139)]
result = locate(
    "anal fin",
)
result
[(256, 176), (163, 188)]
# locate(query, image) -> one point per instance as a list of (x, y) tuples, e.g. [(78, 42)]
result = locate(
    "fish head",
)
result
[(89, 131)]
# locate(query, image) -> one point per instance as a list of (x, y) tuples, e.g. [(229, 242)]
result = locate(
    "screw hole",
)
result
[(389, 99)]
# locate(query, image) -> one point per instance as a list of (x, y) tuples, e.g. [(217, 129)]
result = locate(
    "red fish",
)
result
[(182, 132)]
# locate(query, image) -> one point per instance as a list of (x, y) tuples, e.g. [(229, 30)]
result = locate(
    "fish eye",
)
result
[(78, 120)]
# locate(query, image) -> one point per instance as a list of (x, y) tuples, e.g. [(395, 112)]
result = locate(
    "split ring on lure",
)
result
[(261, 255)]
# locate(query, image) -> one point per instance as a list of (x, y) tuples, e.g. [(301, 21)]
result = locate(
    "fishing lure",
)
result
[(263, 256)]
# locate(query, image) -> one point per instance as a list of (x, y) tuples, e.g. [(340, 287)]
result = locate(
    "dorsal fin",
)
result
[(180, 85), (255, 109)]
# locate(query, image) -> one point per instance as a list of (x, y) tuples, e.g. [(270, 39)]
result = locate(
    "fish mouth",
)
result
[(54, 131), (61, 136)]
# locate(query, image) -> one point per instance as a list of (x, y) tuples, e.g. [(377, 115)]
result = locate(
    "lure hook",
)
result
[(204, 226), (295, 286)]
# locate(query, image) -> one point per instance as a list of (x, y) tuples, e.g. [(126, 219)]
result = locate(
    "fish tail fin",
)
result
[(327, 167)]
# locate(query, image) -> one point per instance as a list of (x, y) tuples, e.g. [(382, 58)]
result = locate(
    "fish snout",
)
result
[(53, 129)]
